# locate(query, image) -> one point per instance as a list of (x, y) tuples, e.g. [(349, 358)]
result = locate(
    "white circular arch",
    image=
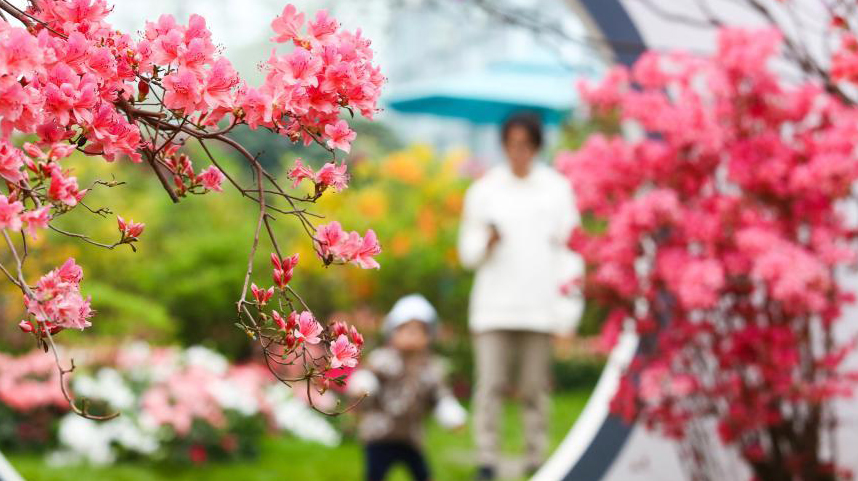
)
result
[(600, 446)]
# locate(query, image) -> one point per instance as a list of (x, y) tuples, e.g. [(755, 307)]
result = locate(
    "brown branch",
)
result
[(22, 284), (16, 14), (84, 411), (27, 19), (83, 238), (258, 229), (165, 182)]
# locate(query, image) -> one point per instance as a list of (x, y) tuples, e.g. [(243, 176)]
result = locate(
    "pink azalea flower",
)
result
[(338, 328), (19, 52), (10, 214), (357, 337), (338, 77), (369, 247), (287, 263), (258, 107), (333, 175), (197, 53), (113, 134), (36, 219), (163, 26), (287, 25), (262, 296), (130, 229), (57, 299), (301, 67), (197, 28), (343, 353), (337, 245), (340, 136), (278, 320), (102, 61), (308, 328), (283, 269), (183, 91), (166, 47), (144, 55), (220, 81), (60, 151), (700, 283), (322, 26), (64, 189), (70, 271), (329, 237), (11, 161), (652, 384), (212, 178), (300, 172)]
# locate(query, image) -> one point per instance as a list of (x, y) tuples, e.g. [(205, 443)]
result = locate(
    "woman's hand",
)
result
[(494, 237)]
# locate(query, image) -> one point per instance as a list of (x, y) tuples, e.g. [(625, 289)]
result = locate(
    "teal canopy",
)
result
[(491, 95)]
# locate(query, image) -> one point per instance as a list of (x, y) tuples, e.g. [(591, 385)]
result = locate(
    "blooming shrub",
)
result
[(721, 247), (180, 405), (30, 401), (71, 82), (178, 287)]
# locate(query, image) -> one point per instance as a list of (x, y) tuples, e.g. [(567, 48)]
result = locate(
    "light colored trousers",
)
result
[(496, 354)]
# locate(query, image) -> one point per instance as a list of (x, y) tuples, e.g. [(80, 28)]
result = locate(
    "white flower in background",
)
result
[(84, 440), (132, 436), (206, 358), (133, 357), (233, 395), (92, 441), (296, 417), (179, 384), (107, 385)]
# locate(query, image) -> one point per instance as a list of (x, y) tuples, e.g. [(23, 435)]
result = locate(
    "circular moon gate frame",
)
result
[(600, 446)]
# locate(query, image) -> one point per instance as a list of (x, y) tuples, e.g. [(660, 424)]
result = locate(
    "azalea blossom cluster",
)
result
[(294, 336), (337, 245), (843, 67), (185, 179), (57, 303), (75, 85), (824, 50), (722, 241), (330, 175)]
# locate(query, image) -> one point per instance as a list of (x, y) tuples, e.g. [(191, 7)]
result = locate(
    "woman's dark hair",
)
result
[(529, 121)]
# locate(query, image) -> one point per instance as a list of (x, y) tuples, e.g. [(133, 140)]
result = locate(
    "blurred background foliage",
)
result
[(182, 284)]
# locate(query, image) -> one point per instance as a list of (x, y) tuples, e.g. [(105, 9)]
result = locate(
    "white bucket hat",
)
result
[(412, 307)]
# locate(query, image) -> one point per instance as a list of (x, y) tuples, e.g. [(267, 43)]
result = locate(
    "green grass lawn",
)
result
[(451, 455)]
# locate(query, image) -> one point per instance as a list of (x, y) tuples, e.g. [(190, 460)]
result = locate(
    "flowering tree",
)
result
[(820, 38), (721, 247), (72, 83)]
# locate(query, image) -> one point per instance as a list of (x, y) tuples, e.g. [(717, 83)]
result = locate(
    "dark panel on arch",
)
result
[(623, 38), (617, 29), (602, 452)]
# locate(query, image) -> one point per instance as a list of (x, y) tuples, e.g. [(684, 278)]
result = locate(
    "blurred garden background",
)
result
[(177, 291), (166, 328), (716, 185)]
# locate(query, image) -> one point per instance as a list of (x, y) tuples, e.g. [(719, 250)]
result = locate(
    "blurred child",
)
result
[(404, 382)]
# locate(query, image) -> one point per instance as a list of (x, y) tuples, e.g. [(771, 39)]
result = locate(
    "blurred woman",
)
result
[(516, 220)]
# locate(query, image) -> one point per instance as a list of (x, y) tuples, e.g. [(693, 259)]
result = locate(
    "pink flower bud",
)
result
[(339, 328)]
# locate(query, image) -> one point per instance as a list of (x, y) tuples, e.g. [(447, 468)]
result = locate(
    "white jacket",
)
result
[(517, 284)]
